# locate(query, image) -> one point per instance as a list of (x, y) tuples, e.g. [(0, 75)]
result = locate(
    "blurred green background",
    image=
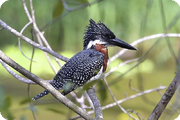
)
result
[(128, 19)]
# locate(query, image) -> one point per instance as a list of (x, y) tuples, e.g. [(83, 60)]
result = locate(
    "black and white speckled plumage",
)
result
[(77, 71), (87, 63)]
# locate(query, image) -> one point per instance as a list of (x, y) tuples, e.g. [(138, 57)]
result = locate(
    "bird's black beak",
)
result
[(120, 43)]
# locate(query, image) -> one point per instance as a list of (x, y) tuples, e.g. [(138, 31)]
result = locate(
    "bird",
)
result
[(88, 63)]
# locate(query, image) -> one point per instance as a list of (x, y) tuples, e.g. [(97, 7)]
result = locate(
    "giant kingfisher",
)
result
[(88, 63)]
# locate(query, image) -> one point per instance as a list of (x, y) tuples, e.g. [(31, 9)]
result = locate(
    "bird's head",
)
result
[(98, 33)]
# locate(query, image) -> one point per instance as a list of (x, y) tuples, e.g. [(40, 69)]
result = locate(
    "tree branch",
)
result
[(96, 104), (132, 97), (28, 81), (116, 101), (165, 98), (45, 85), (127, 98), (40, 36), (162, 35), (4, 25)]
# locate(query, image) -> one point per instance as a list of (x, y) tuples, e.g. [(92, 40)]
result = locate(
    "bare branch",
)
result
[(170, 104), (40, 37), (26, 10), (137, 114), (96, 103), (121, 64), (142, 40), (74, 8), (132, 87), (19, 42), (45, 85), (131, 97), (165, 98), (28, 81), (4, 25), (16, 75), (117, 102), (80, 100), (68, 11)]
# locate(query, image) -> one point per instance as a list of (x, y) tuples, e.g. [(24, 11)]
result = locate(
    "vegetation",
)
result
[(150, 68)]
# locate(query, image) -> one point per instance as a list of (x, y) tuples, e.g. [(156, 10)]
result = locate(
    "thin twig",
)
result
[(19, 41), (68, 11), (4, 25), (80, 100), (74, 8), (120, 65), (26, 10), (128, 98), (131, 97), (132, 87), (29, 85), (30, 103), (162, 35), (166, 31), (28, 81), (117, 102), (39, 33), (137, 114)]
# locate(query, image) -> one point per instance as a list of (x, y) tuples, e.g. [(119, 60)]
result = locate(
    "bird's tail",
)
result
[(40, 95)]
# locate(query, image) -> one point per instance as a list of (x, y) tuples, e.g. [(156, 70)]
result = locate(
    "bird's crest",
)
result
[(96, 29)]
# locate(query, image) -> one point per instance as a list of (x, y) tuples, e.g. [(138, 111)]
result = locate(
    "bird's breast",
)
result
[(103, 49)]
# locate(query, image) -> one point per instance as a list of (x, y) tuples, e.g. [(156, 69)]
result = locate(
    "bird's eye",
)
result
[(110, 36)]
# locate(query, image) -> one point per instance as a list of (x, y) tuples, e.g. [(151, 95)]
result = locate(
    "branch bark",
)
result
[(96, 104), (45, 85), (165, 98), (45, 49)]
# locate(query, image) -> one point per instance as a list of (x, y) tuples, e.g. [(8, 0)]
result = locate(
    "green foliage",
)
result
[(58, 9), (1, 98), (123, 116), (39, 66), (89, 85), (5, 106), (25, 101), (103, 93), (56, 111), (83, 1), (123, 17), (100, 83), (8, 102)]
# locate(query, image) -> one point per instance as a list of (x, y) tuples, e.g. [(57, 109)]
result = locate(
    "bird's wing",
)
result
[(78, 70)]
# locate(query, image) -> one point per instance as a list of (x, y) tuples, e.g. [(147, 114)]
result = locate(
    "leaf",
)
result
[(58, 10), (90, 84), (2, 98), (8, 102), (24, 101), (10, 116), (55, 111), (83, 1), (103, 94)]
